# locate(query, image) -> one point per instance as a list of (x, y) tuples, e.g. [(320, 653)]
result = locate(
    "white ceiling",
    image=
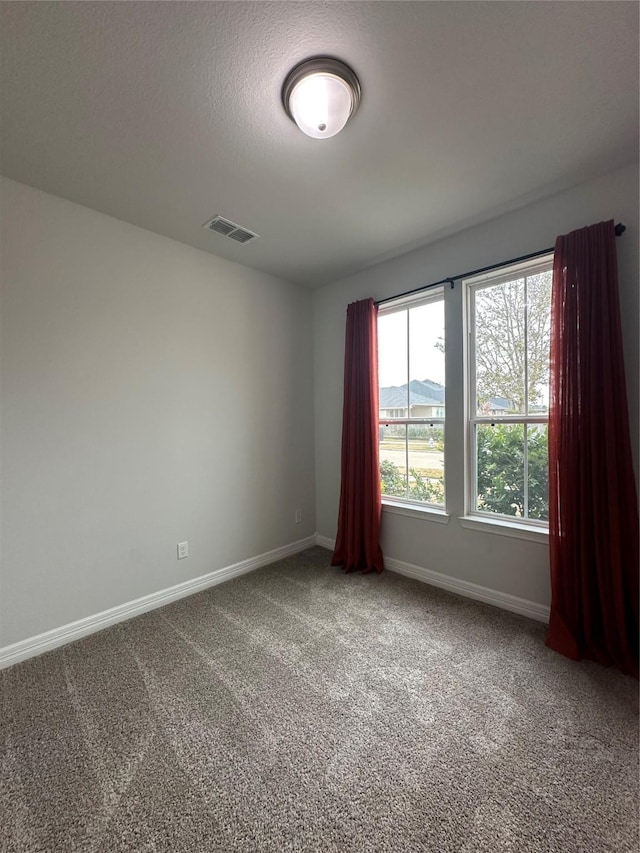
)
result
[(166, 113)]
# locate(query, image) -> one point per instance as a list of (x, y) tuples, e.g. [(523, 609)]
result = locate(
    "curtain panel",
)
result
[(593, 509), (358, 538)]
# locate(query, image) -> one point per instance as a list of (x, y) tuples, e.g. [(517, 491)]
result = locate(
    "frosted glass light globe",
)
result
[(321, 104)]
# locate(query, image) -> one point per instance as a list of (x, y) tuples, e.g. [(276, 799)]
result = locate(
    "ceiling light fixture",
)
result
[(321, 95)]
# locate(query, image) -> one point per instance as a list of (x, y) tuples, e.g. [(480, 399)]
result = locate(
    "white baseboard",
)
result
[(324, 542), (32, 646), (469, 590)]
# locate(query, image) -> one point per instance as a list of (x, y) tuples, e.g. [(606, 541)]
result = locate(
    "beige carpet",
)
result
[(299, 709)]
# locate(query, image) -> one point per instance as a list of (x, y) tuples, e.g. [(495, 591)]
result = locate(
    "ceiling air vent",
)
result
[(229, 229)]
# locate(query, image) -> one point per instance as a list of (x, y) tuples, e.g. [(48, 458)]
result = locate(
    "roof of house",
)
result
[(426, 392), (499, 403), (422, 393)]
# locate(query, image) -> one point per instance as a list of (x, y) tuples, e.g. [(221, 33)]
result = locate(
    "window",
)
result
[(498, 364), (508, 384), (412, 400)]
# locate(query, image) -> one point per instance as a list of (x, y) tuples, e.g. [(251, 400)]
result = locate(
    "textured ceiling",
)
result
[(164, 114)]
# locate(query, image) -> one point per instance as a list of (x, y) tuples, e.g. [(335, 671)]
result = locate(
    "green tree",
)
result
[(501, 473), (421, 488), (501, 314), (394, 482), (424, 489), (501, 470)]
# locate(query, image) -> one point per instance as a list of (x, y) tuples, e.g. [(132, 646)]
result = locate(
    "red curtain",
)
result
[(358, 539), (593, 510)]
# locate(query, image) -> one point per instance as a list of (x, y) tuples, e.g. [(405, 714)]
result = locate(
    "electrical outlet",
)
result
[(183, 550), (298, 516)]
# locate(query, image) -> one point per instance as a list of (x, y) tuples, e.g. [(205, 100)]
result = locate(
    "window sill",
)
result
[(505, 528), (428, 513)]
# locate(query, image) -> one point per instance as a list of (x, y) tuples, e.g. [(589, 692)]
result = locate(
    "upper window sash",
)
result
[(471, 286), (402, 303), (503, 275)]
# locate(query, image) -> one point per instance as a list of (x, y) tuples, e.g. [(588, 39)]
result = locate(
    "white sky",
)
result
[(426, 326)]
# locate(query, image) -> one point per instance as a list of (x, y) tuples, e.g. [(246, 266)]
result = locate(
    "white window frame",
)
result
[(404, 505), (475, 518)]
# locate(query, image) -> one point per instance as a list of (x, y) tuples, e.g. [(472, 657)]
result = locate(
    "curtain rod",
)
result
[(619, 230)]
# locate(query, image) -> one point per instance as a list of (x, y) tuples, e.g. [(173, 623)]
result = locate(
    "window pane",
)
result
[(538, 471), (393, 460), (392, 364), (500, 348), (426, 463), (500, 468), (426, 359), (538, 327)]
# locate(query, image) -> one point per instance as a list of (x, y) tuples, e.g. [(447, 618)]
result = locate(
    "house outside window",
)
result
[(508, 320), (412, 400)]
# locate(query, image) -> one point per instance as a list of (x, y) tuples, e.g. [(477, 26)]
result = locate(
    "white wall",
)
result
[(508, 565), (151, 393)]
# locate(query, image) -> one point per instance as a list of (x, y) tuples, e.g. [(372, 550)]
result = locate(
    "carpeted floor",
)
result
[(299, 709)]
